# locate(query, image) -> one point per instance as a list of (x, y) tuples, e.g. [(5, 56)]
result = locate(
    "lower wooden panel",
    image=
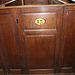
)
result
[(15, 71), (41, 51), (41, 71), (67, 70), (1, 71)]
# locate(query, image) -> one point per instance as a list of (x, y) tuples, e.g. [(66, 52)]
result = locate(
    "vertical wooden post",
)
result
[(22, 2)]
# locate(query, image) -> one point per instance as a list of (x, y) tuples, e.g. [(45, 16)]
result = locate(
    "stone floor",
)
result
[(47, 74), (56, 74), (43, 74)]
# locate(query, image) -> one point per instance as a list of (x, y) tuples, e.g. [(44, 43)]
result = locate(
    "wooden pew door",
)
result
[(42, 30), (11, 57), (67, 53)]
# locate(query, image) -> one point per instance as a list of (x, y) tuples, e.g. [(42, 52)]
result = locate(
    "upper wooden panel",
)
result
[(29, 20), (71, 7), (51, 15), (30, 2)]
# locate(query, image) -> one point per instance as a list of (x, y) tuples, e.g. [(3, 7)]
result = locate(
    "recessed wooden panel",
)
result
[(41, 71), (1, 61), (41, 2), (1, 71), (12, 55), (15, 71), (41, 51), (69, 41), (67, 59), (1, 65), (69, 44), (30, 18)]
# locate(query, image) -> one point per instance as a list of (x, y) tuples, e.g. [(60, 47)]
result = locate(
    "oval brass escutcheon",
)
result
[(40, 21)]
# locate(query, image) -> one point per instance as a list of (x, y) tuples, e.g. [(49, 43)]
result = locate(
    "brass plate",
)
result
[(40, 21)]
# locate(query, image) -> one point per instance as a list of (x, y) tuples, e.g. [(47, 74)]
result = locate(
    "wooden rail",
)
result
[(62, 1), (7, 3)]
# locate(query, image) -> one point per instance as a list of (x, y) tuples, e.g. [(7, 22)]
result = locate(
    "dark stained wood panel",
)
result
[(40, 48), (9, 39), (31, 2), (1, 65), (12, 53), (69, 40), (1, 62), (67, 59)]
